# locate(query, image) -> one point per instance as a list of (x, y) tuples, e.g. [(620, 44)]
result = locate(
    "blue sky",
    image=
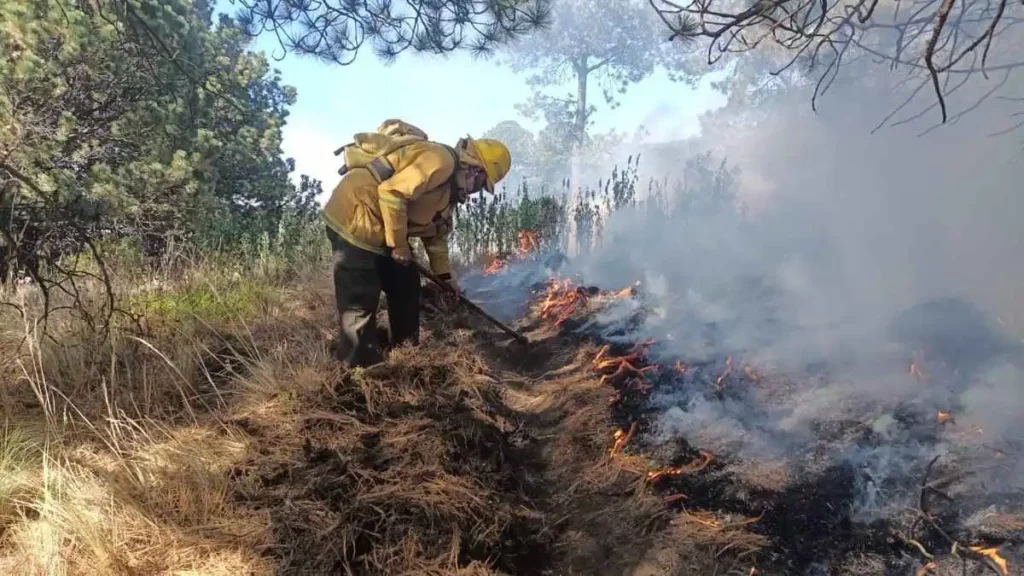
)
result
[(335, 102)]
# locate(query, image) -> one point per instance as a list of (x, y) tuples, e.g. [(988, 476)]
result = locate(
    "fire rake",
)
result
[(473, 306)]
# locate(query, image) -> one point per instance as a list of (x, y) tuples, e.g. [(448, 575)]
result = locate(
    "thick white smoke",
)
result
[(857, 249), (847, 231)]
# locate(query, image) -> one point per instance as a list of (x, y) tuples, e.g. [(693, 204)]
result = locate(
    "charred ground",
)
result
[(804, 511)]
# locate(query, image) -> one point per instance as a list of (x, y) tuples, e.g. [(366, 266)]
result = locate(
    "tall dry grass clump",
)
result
[(116, 448)]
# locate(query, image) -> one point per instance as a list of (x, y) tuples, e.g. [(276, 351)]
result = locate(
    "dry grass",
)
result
[(407, 467), (115, 457), (236, 445)]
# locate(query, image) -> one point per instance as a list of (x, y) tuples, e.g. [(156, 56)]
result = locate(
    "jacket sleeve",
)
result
[(429, 169), (436, 248)]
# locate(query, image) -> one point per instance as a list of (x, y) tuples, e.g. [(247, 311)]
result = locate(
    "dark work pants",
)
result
[(359, 277)]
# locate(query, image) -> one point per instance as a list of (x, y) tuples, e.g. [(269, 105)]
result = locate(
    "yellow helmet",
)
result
[(494, 157)]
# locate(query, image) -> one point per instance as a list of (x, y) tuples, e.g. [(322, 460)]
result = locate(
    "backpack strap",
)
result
[(455, 166), (440, 222), (381, 168)]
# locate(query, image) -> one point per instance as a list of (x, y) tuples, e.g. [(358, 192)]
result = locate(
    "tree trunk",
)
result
[(582, 72), (579, 133)]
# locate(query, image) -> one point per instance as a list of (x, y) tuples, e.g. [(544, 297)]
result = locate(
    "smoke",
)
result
[(829, 257), (856, 250)]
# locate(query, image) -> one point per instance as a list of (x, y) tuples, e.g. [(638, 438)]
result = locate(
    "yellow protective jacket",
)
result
[(416, 201)]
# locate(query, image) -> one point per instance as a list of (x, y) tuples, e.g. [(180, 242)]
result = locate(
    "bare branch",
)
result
[(929, 53), (927, 37)]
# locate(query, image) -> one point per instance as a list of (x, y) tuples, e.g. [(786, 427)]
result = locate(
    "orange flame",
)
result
[(928, 568), (680, 367), (626, 292), (728, 370), (993, 555), (706, 458), (561, 300), (621, 438), (752, 374), (494, 267), (527, 242), (942, 417), (617, 368)]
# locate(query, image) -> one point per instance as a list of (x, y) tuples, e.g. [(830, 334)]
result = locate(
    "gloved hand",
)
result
[(402, 255), (451, 282)]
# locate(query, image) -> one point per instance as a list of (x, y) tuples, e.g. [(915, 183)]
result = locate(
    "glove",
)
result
[(402, 255), (451, 282)]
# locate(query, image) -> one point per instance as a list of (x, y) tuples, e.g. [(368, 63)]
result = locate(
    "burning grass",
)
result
[(800, 508), (527, 246)]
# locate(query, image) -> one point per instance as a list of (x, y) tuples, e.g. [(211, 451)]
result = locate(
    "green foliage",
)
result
[(141, 119), (491, 225), (592, 206), (298, 247), (620, 189), (522, 145), (240, 282), (706, 190), (335, 30), (230, 301), (575, 220)]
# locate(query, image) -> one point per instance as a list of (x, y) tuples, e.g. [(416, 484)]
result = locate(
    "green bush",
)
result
[(574, 220), (211, 300)]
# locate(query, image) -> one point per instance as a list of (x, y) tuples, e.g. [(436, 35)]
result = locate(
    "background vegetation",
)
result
[(142, 124)]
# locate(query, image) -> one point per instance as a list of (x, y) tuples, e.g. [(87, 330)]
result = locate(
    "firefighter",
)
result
[(373, 212)]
